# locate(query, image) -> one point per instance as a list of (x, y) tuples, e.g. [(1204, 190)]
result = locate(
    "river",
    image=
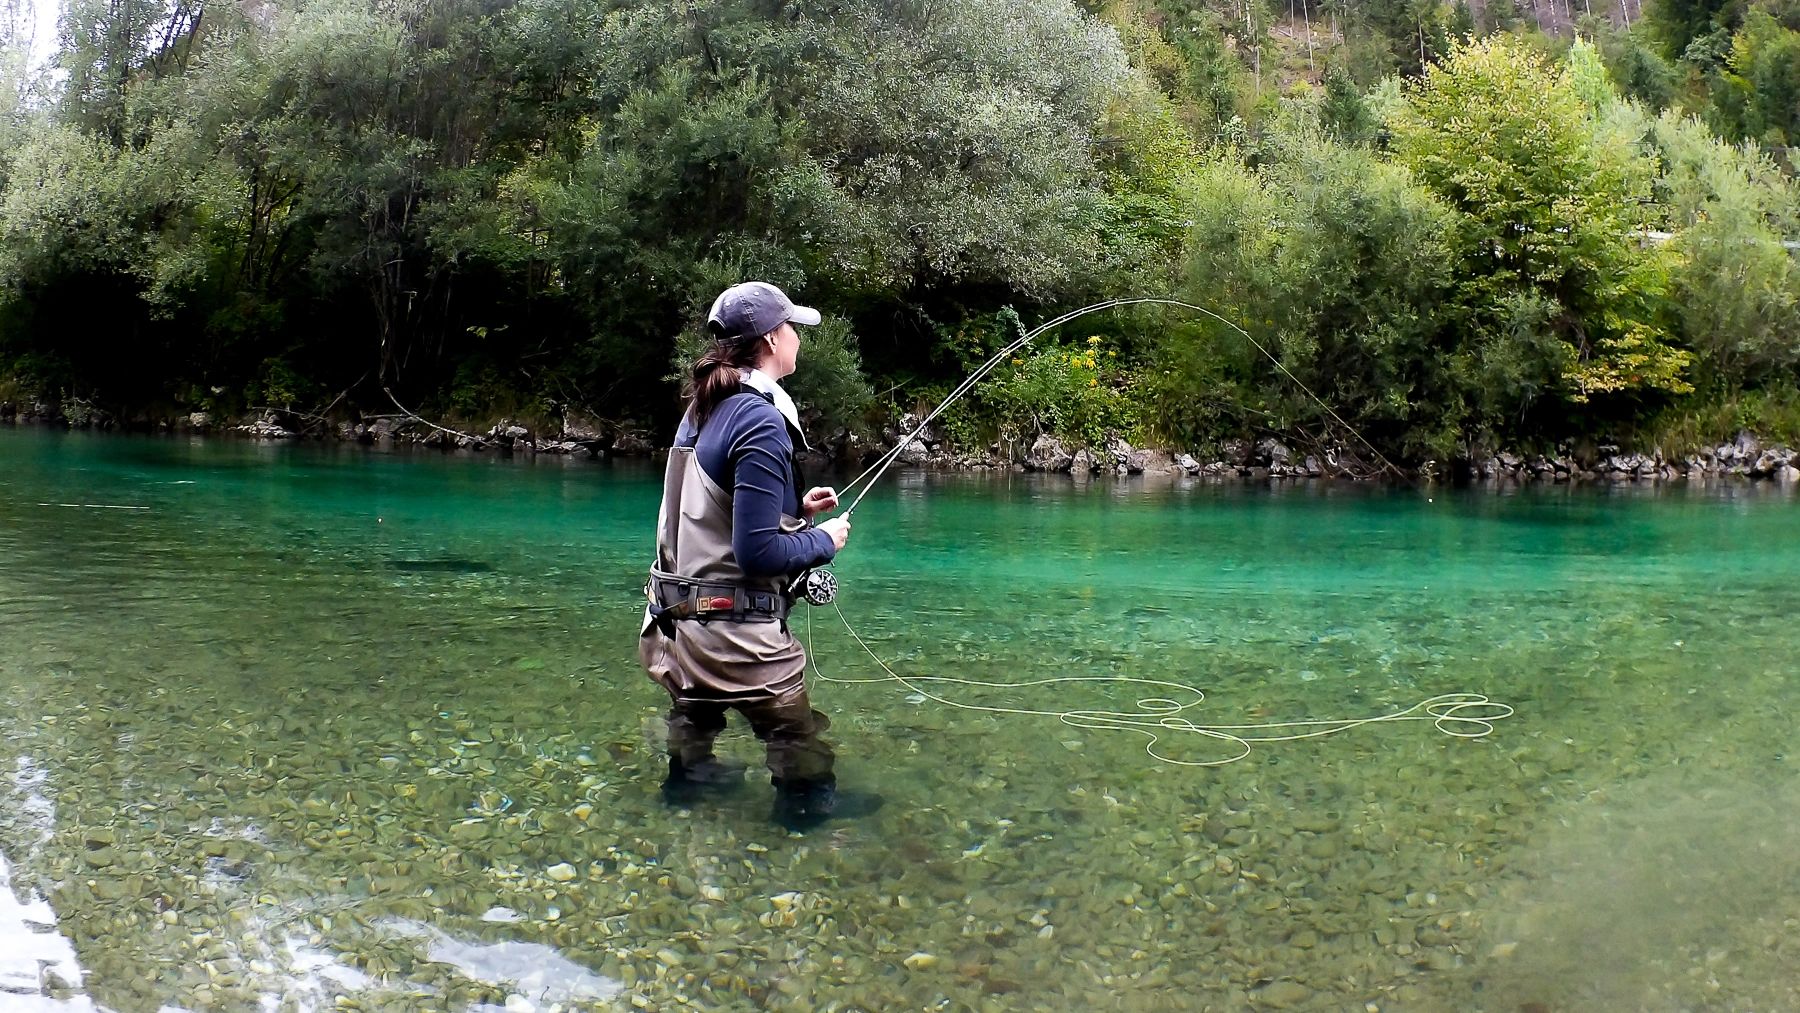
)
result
[(302, 727)]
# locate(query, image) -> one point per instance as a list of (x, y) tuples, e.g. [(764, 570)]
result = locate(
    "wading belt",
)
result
[(674, 597)]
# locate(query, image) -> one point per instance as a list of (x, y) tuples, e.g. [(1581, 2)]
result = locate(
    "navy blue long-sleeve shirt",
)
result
[(745, 447)]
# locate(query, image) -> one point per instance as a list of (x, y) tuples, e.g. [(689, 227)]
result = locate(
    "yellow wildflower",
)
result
[(1093, 381), (1018, 362), (1112, 354), (1094, 340)]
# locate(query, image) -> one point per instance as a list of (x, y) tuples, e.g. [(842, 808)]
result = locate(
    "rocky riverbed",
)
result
[(469, 864)]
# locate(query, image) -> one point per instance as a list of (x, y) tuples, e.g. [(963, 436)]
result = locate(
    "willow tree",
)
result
[(1340, 265), (1736, 287), (108, 45)]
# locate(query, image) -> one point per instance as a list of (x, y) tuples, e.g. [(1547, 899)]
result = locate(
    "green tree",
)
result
[(1338, 264), (1680, 22), (1343, 113), (871, 149), (1735, 287), (1562, 298), (1406, 35), (1758, 92), (539, 196), (106, 44), (1639, 70)]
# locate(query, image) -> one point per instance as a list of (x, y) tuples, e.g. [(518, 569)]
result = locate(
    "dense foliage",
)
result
[(1456, 235)]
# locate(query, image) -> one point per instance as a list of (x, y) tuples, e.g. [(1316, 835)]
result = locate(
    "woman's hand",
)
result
[(817, 501), (839, 530)]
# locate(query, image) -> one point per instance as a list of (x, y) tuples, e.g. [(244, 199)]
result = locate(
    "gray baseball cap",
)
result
[(755, 308)]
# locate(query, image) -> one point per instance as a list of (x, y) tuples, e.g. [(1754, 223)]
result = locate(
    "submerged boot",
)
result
[(689, 783), (801, 805)]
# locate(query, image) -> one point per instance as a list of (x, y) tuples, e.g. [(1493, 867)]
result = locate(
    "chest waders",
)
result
[(717, 640)]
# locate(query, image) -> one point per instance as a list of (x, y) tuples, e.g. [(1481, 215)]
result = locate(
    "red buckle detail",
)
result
[(718, 603)]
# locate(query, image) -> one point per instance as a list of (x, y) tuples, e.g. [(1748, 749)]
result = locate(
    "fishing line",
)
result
[(1458, 715), (874, 472)]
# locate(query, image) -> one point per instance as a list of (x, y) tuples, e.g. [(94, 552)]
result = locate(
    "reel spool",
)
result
[(820, 587)]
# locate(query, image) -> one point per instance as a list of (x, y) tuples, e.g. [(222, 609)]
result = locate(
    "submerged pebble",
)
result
[(920, 962)]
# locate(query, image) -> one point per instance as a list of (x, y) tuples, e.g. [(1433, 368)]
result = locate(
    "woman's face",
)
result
[(783, 350)]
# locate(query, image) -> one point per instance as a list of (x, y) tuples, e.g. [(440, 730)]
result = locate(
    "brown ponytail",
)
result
[(717, 374)]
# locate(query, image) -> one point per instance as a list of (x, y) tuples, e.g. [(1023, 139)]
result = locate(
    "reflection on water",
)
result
[(310, 724), (533, 970), (38, 966)]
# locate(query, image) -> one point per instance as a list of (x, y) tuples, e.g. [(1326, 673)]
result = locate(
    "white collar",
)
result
[(759, 380)]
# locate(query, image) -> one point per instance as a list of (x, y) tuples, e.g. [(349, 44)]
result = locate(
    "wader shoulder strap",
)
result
[(668, 516)]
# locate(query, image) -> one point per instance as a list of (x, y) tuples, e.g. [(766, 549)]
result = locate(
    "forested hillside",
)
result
[(1463, 227)]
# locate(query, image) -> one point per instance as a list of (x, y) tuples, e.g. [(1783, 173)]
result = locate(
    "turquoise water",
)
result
[(301, 728)]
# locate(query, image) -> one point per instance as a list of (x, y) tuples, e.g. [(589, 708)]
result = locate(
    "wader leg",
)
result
[(693, 769), (790, 730), (693, 725), (806, 792)]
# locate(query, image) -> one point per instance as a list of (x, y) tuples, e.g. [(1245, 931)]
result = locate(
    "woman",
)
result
[(733, 535)]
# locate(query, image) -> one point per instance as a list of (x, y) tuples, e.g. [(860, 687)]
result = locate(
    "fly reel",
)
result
[(820, 587)]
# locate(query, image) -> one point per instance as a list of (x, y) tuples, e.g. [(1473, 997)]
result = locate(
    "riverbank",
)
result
[(1745, 456)]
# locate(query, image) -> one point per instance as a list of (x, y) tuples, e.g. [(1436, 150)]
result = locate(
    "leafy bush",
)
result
[(1079, 392), (280, 386), (1758, 97), (828, 380), (1639, 70), (1699, 423), (1338, 265)]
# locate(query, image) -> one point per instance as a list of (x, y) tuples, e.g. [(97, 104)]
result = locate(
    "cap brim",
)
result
[(804, 315)]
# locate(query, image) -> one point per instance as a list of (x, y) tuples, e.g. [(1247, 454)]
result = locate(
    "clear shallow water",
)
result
[(316, 723)]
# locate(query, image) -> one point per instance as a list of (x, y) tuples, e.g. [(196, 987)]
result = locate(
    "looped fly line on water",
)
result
[(1458, 715)]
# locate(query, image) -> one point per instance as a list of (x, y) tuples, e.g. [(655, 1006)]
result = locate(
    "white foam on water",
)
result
[(311, 963), (310, 980), (238, 829), (531, 969), (35, 807), (32, 952)]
